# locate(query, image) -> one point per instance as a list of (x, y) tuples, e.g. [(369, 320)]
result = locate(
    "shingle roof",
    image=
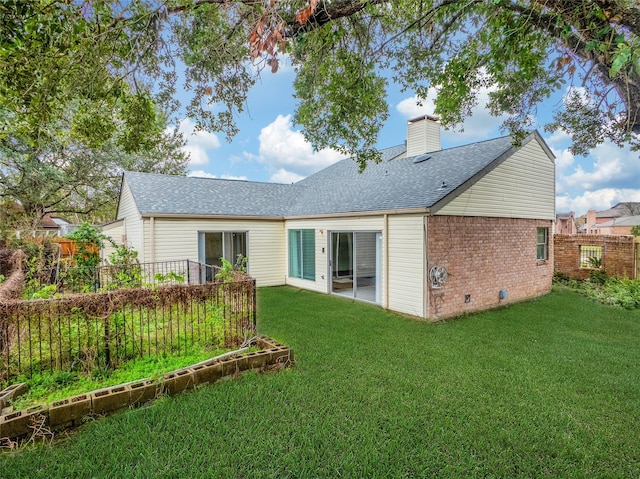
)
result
[(622, 221), (620, 209), (183, 195), (396, 182)]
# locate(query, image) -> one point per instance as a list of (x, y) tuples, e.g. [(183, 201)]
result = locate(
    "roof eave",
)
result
[(211, 217), (347, 214)]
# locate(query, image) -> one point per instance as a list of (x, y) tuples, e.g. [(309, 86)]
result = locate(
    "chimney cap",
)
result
[(422, 118)]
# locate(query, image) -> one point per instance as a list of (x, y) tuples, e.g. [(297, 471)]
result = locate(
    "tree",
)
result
[(343, 50), (69, 122), (63, 174)]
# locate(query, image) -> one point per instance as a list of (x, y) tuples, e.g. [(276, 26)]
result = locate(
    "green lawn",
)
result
[(547, 388)]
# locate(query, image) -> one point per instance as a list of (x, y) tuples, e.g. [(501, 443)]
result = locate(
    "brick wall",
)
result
[(484, 256), (618, 256)]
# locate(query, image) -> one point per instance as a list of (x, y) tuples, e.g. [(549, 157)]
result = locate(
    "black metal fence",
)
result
[(135, 275), (89, 331)]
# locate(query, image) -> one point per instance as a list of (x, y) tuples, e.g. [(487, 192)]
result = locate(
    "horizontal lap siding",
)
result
[(406, 264), (322, 228), (116, 233), (523, 186), (177, 239), (133, 226)]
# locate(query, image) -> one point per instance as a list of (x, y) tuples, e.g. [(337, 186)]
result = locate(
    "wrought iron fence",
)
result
[(84, 332), (135, 275)]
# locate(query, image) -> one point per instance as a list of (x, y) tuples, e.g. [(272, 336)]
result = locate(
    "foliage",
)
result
[(595, 262), (544, 388), (170, 277), (48, 387), (635, 230), (598, 276), (46, 292), (612, 291), (69, 124), (230, 272), (88, 241), (95, 332), (127, 272), (99, 70)]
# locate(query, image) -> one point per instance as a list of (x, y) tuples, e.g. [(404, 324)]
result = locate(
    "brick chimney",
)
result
[(591, 220), (423, 135)]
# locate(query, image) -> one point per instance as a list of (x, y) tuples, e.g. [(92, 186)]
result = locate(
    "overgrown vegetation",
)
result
[(546, 388), (49, 387), (613, 291), (89, 333)]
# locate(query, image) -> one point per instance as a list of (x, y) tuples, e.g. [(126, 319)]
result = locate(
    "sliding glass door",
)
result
[(212, 247), (355, 264)]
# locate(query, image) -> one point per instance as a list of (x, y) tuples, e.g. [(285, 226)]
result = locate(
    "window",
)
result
[(225, 244), (542, 244), (302, 254), (590, 257)]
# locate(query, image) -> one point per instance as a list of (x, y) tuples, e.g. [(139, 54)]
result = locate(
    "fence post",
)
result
[(107, 350), (253, 306)]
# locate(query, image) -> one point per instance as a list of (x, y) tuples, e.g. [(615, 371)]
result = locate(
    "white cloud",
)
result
[(232, 177), (284, 176), (199, 143), (598, 200), (204, 174), (288, 154), (201, 174), (479, 126), (613, 167), (564, 158)]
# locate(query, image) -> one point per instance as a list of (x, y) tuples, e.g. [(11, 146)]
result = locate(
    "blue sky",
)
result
[(270, 148)]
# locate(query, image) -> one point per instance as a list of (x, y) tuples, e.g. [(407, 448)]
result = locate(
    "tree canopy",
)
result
[(70, 122), (108, 56)]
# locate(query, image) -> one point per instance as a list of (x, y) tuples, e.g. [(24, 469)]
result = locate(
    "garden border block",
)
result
[(12, 392), (70, 412)]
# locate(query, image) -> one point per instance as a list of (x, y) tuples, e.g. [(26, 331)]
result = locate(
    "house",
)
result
[(566, 224), (428, 232), (617, 220)]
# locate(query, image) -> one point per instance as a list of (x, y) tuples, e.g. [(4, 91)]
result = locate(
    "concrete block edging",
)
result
[(70, 412)]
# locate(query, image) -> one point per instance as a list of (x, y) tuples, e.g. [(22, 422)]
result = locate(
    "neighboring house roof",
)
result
[(395, 183), (624, 221), (627, 208)]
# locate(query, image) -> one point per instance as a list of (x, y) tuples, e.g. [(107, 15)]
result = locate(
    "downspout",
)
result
[(385, 248), (425, 273), (152, 239)]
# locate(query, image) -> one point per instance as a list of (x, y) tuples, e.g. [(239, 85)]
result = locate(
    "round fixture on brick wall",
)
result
[(438, 275)]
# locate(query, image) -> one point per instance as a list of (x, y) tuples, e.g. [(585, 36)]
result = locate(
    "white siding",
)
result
[(323, 227), (177, 239), (523, 186), (406, 264), (128, 211), (422, 136), (115, 231)]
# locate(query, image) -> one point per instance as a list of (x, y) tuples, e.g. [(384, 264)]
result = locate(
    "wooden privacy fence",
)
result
[(102, 330)]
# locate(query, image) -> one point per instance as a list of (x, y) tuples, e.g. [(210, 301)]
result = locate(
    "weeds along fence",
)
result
[(102, 330), (135, 275)]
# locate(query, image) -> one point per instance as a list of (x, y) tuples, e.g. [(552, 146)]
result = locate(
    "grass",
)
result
[(546, 388), (49, 387)]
